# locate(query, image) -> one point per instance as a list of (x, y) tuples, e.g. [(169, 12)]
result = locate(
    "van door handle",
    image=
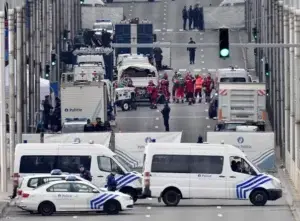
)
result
[(232, 177), (222, 176), (100, 176)]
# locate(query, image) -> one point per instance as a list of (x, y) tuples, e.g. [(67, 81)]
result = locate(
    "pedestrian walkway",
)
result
[(4, 202)]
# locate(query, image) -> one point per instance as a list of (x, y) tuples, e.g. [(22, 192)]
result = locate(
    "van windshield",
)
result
[(123, 163), (253, 165)]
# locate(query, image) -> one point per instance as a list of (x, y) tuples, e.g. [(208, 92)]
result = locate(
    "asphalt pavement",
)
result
[(166, 17), (188, 210)]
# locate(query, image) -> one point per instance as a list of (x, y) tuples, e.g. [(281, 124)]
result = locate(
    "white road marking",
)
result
[(157, 111), (180, 29), (129, 15), (75, 217), (206, 110), (197, 70), (149, 207), (211, 70), (164, 23), (220, 215), (130, 10), (202, 56), (162, 39), (147, 216), (157, 118), (165, 9), (202, 62), (156, 127), (218, 207), (201, 39), (182, 70), (163, 33), (165, 14), (169, 30), (208, 126), (202, 50), (203, 68), (149, 198), (165, 18), (157, 30), (207, 118), (165, 6)]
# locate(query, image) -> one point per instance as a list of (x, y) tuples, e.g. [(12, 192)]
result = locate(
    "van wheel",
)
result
[(112, 207), (171, 197), (125, 106), (259, 197), (46, 208), (130, 192)]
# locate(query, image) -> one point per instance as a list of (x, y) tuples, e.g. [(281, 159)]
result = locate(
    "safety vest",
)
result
[(199, 83)]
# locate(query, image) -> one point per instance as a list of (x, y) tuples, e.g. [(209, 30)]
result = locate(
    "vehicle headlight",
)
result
[(276, 184)]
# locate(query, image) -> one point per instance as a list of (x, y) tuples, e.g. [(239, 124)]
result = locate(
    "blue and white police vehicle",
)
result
[(73, 195), (41, 158)]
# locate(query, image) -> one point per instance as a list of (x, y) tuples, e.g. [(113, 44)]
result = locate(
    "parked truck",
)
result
[(240, 104)]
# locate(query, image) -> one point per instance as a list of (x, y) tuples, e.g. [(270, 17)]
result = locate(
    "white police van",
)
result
[(71, 195), (206, 171), (42, 158)]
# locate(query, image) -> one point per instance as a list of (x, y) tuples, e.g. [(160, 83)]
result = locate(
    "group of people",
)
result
[(99, 126), (194, 17)]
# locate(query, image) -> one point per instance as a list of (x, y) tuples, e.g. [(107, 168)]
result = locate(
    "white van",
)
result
[(42, 158), (206, 171), (232, 75)]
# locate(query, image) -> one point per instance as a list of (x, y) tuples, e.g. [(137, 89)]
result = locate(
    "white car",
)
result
[(71, 195)]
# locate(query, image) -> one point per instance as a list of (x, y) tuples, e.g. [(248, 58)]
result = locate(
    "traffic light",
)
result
[(267, 69), (224, 42), (47, 70), (53, 59), (81, 1), (254, 33), (65, 34)]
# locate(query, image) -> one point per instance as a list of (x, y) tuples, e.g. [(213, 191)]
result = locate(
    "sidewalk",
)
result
[(4, 202)]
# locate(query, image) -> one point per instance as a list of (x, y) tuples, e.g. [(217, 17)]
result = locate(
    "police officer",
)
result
[(196, 17), (158, 57), (184, 17), (85, 174), (166, 115), (192, 51), (111, 182), (200, 139), (99, 125), (191, 17), (89, 127), (200, 19)]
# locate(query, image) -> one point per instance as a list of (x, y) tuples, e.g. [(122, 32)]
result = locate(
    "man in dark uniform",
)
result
[(111, 182), (192, 51), (89, 127), (85, 174), (200, 19), (191, 17), (99, 125), (158, 57), (196, 17), (184, 17), (166, 115)]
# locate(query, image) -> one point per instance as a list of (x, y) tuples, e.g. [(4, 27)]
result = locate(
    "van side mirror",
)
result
[(95, 191)]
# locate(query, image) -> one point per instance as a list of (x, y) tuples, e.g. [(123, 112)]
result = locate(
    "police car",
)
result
[(105, 25), (71, 195)]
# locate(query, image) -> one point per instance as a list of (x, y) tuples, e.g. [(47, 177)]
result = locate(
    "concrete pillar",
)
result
[(286, 83), (31, 66), (292, 88), (25, 68), (38, 59)]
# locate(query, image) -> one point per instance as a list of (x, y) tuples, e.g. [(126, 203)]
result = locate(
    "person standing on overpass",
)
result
[(166, 115), (184, 17)]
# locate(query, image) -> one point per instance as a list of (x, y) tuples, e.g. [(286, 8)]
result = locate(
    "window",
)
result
[(44, 164), (61, 187), (170, 164), (233, 79), (123, 163), (239, 165), (36, 182), (82, 188), (108, 165), (33, 183), (206, 164)]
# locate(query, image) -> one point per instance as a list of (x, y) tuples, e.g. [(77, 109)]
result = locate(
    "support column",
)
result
[(3, 146), (19, 75), (38, 59), (287, 92), (25, 69), (58, 39), (297, 88), (31, 66), (292, 88), (12, 94), (43, 38)]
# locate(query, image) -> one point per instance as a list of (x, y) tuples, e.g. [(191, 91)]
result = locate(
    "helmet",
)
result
[(150, 82), (165, 76)]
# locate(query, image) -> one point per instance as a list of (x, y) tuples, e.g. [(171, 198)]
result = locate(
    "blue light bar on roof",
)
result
[(103, 20)]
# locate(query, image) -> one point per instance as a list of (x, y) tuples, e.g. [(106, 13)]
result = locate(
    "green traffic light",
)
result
[(224, 52), (267, 73), (53, 63)]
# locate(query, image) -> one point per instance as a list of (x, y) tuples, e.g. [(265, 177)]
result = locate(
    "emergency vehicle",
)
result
[(103, 24), (42, 158), (72, 195), (173, 172)]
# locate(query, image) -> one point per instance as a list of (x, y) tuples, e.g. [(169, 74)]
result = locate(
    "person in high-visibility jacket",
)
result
[(198, 87)]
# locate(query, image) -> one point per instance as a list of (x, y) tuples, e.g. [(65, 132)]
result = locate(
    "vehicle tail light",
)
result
[(25, 195), (147, 179), (16, 177), (20, 192)]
